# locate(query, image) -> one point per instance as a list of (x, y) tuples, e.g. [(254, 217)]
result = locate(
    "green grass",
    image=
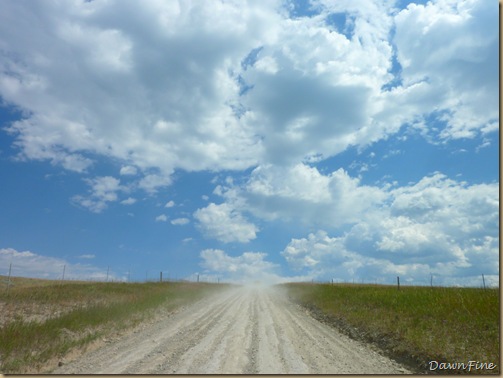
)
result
[(93, 310), (417, 323)]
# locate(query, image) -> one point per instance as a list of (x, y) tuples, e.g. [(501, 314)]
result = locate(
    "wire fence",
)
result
[(399, 282), (66, 275), (152, 275)]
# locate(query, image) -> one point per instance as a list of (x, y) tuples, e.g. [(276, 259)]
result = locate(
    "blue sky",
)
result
[(250, 141)]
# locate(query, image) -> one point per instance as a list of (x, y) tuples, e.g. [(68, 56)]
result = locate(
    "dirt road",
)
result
[(246, 330)]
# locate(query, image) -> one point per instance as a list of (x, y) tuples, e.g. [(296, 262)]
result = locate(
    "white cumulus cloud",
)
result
[(451, 47), (436, 226), (233, 86), (300, 193), (223, 223), (249, 267), (249, 87)]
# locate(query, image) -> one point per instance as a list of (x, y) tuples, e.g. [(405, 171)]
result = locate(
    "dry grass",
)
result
[(41, 320)]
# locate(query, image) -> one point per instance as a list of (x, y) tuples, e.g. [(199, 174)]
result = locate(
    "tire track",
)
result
[(252, 351), (291, 361), (179, 338), (207, 355), (142, 350), (325, 348)]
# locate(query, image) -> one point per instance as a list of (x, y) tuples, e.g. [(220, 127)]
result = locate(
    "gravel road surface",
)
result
[(240, 331)]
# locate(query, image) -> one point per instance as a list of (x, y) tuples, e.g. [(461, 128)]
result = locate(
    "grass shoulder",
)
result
[(42, 321), (414, 325)]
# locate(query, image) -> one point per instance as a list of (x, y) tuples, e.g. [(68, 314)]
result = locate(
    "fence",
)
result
[(154, 275), (398, 282), (66, 276)]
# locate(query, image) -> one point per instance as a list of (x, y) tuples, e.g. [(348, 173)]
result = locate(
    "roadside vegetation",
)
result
[(42, 321), (414, 325)]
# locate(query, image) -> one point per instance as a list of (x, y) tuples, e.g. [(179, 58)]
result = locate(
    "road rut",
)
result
[(247, 330)]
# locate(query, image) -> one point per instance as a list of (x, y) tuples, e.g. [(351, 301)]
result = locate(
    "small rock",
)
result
[(60, 363)]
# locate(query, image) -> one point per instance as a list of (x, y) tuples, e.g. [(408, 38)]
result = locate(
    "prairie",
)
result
[(42, 321), (415, 325)]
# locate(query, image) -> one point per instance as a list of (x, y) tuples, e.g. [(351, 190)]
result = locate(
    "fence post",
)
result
[(160, 277), (8, 278), (398, 282)]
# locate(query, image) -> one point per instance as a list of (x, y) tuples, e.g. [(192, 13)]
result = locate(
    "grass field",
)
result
[(43, 320), (416, 324)]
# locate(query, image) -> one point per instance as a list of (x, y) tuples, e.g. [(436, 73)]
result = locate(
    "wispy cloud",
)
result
[(161, 218), (103, 190), (30, 264), (128, 201), (180, 221), (128, 170), (88, 256)]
